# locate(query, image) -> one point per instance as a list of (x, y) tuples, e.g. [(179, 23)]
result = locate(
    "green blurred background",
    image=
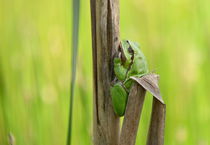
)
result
[(35, 46)]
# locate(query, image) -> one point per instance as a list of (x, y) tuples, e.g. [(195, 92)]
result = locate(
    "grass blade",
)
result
[(75, 28)]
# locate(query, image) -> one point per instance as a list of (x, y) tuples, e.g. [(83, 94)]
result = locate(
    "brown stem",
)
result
[(157, 123), (105, 40), (132, 115)]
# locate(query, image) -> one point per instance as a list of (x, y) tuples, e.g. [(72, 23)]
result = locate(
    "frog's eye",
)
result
[(130, 50)]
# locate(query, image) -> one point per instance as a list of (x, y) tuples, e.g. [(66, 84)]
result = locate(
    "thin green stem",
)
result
[(76, 6)]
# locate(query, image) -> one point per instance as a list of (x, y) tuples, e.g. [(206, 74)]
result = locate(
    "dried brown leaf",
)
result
[(150, 83)]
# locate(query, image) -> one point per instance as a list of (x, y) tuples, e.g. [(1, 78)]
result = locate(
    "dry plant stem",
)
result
[(132, 115), (157, 124), (105, 40)]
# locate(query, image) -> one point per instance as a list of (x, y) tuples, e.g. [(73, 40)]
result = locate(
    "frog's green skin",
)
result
[(131, 62)]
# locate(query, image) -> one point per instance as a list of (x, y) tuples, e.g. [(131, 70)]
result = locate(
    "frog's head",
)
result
[(126, 53)]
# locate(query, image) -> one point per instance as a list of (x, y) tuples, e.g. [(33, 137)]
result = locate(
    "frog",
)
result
[(129, 62)]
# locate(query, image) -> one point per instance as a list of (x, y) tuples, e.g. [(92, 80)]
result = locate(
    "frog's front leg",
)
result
[(119, 69)]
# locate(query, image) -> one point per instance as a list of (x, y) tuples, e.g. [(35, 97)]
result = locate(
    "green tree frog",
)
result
[(129, 62)]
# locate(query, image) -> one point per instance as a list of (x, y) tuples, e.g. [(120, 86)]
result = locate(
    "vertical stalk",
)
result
[(132, 115), (75, 28), (105, 40), (157, 124)]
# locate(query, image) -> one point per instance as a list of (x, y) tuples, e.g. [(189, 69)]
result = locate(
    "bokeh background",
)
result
[(35, 53)]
